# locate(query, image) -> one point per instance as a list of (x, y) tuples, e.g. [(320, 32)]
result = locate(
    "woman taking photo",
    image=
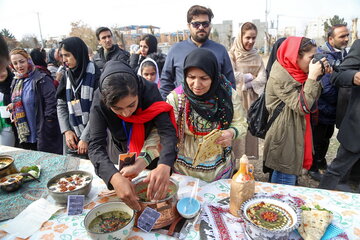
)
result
[(206, 102), (148, 45), (75, 94), (250, 77), (293, 80), (33, 105), (131, 108)]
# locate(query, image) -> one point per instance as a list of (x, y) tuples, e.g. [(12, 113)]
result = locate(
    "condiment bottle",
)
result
[(242, 186)]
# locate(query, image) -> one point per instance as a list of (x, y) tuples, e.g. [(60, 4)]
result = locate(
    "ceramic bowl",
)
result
[(7, 165), (12, 182), (278, 209), (62, 197), (119, 234), (188, 207)]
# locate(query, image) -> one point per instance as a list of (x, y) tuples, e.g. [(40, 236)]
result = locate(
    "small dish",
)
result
[(12, 182), (188, 207)]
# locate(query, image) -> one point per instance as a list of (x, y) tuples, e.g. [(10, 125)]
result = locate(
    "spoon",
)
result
[(29, 175)]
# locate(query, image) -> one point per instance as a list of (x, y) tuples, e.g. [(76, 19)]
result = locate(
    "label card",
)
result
[(126, 159), (75, 205), (148, 219), (77, 107)]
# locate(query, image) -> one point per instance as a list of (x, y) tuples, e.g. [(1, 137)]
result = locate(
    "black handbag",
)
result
[(257, 118)]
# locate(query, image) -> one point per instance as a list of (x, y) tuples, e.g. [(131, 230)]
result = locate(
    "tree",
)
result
[(83, 31), (6, 33), (331, 22), (30, 41)]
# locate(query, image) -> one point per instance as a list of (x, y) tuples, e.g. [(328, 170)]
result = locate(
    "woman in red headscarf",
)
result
[(293, 80)]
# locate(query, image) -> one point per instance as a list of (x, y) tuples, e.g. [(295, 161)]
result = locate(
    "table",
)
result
[(345, 206)]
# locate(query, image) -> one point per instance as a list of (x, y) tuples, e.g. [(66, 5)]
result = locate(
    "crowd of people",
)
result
[(98, 107)]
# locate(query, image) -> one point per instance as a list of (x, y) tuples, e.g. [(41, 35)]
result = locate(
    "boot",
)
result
[(329, 181)]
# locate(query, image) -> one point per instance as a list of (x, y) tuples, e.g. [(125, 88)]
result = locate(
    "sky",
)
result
[(21, 18)]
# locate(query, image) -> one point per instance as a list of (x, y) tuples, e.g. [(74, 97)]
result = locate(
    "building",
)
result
[(222, 33), (315, 29)]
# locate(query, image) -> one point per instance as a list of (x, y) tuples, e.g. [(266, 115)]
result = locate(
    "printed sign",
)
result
[(75, 205), (148, 219)]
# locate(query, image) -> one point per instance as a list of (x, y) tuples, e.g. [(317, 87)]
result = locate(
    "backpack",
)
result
[(258, 117)]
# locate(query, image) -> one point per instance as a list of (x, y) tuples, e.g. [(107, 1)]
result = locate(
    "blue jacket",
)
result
[(328, 98), (172, 75)]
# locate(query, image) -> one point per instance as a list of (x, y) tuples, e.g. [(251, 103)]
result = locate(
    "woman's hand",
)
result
[(225, 140), (10, 108), (71, 139), (82, 147), (125, 191), (158, 180), (316, 70), (133, 170)]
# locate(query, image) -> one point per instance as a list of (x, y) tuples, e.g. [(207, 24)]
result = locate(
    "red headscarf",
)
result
[(137, 137), (287, 56)]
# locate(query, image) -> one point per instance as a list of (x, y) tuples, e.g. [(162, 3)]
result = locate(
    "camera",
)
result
[(333, 63)]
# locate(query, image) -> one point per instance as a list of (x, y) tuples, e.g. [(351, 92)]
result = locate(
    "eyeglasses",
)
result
[(310, 41), (198, 24)]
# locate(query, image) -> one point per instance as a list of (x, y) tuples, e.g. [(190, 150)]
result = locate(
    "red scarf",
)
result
[(287, 56), (137, 137)]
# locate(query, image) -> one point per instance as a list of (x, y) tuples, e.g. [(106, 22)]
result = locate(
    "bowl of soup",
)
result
[(69, 183), (111, 220), (269, 218), (12, 182), (7, 165)]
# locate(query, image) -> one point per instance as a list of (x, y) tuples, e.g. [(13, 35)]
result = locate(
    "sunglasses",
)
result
[(310, 41), (198, 24)]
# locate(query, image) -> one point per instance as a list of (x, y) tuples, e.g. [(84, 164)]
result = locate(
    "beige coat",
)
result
[(284, 141)]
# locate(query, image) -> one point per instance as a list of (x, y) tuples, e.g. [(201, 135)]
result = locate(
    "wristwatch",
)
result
[(146, 157)]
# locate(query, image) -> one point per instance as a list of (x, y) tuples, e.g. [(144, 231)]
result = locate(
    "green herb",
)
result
[(29, 168), (317, 207)]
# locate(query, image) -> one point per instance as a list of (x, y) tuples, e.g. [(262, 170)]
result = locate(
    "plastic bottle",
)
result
[(242, 186)]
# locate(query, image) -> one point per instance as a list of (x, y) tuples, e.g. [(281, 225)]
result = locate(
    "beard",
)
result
[(198, 38)]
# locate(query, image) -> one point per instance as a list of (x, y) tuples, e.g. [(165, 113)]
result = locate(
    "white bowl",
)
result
[(258, 232), (119, 234), (188, 207)]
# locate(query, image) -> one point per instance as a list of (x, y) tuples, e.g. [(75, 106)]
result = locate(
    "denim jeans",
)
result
[(283, 178)]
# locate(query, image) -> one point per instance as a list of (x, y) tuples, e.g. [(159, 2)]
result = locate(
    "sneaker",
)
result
[(315, 175)]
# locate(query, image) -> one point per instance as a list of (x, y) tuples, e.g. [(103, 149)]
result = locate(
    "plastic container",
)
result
[(188, 207)]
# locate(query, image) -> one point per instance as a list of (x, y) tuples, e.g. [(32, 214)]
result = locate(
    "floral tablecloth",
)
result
[(345, 206)]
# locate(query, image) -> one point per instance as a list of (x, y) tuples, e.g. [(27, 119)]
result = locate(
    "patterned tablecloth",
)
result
[(345, 207)]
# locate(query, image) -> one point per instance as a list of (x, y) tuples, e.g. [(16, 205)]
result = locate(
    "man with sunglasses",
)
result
[(323, 128), (199, 24)]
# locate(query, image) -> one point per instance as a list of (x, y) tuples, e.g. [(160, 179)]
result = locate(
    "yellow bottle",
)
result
[(242, 186)]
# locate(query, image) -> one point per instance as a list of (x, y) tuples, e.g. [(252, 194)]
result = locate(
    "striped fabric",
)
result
[(86, 87)]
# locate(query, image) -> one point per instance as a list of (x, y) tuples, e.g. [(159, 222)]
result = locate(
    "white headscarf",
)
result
[(156, 66)]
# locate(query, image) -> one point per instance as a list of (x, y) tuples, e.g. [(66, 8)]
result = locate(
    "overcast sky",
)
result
[(20, 16)]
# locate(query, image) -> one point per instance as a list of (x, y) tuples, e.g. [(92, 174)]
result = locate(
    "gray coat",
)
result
[(284, 141)]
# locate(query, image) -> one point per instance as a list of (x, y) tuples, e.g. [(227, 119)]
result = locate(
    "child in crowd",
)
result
[(149, 70)]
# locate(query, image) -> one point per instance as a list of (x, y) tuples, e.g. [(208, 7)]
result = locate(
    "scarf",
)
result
[(156, 69), (18, 111), (137, 137), (84, 92), (215, 105), (287, 56)]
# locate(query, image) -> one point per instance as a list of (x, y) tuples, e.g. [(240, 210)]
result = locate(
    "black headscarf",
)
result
[(5, 86), (38, 57), (215, 105), (151, 41), (272, 57), (79, 50)]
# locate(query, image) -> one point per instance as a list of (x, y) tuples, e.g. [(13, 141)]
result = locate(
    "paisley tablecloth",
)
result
[(345, 206)]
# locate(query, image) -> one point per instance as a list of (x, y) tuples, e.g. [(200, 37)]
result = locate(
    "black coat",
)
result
[(349, 132), (115, 53), (103, 118)]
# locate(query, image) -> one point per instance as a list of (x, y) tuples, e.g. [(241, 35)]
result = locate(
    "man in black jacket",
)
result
[(349, 132), (108, 50)]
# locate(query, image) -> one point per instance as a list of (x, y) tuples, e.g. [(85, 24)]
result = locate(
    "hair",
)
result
[(20, 51), (197, 10), (100, 30), (306, 45), (151, 41), (4, 51), (117, 86), (38, 57), (332, 29), (248, 26), (147, 64)]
